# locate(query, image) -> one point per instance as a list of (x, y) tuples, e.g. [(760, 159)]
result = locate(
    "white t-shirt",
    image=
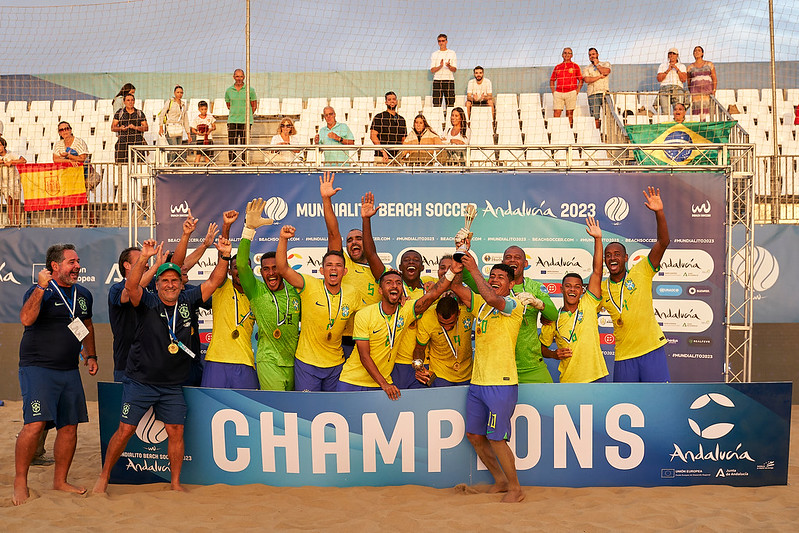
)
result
[(78, 144), (208, 121), (448, 136), (602, 85), (671, 78), (479, 89), (9, 177), (444, 73)]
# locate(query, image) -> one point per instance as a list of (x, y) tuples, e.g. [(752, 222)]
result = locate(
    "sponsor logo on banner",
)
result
[(700, 211), (553, 288), (683, 316), (617, 209), (554, 263), (699, 341), (276, 208), (114, 275), (765, 269), (668, 290), (205, 265), (690, 265), (7, 276), (604, 320), (518, 210), (698, 290), (180, 210)]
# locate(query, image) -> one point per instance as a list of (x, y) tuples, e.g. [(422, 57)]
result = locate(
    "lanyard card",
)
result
[(78, 328)]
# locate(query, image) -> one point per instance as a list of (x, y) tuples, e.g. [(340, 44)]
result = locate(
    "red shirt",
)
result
[(567, 76)]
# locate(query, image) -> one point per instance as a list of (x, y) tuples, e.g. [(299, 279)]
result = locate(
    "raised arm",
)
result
[(327, 191), (655, 203), (252, 221), (219, 273), (228, 218), (486, 291), (30, 309), (197, 254), (133, 281), (368, 210), (189, 225), (423, 303), (595, 281), (282, 262)]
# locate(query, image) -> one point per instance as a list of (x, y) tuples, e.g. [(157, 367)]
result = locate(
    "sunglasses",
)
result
[(285, 125), (64, 129)]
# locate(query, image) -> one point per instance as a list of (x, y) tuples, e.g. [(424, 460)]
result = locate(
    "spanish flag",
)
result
[(683, 137), (52, 186)]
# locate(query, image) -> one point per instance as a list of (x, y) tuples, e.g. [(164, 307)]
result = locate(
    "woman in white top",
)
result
[(10, 186), (284, 136), (458, 134), (173, 121), (73, 150)]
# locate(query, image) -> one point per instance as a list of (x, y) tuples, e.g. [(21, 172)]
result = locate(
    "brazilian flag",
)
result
[(682, 136)]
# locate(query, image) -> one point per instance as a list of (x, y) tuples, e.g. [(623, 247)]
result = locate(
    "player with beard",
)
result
[(275, 304), (627, 296), (326, 308), (444, 335), (359, 276), (529, 361), (377, 330), (410, 267), (229, 363), (576, 331)]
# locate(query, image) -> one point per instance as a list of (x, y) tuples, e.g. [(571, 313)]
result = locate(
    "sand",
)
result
[(406, 508)]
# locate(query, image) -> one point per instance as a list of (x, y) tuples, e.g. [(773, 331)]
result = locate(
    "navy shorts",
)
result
[(168, 403), (310, 378), (52, 396), (441, 382), (489, 409), (349, 387), (648, 368), (229, 376), (404, 377)]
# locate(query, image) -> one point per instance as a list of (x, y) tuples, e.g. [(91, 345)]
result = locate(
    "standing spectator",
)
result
[(388, 127), (72, 150), (130, 123), (479, 91), (173, 121), (701, 82), (202, 127), (334, 133), (671, 75), (10, 185), (240, 115), (565, 83), (119, 100), (443, 64), (595, 75), (57, 315)]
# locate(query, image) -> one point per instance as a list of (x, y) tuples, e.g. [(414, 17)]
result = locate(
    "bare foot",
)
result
[(178, 487), (100, 487), (499, 486), (21, 494), (513, 496), (66, 487)]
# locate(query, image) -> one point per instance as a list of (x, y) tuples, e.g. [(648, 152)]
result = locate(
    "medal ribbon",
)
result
[(277, 306), (330, 318), (74, 299), (171, 324), (392, 334), (236, 301), (574, 325), (620, 305), (449, 342)]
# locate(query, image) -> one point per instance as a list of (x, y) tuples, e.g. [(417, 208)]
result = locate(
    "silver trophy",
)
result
[(463, 237)]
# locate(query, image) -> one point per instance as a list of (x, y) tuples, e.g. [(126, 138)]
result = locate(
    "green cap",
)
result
[(168, 266)]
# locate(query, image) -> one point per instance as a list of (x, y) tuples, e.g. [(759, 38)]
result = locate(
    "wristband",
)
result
[(91, 357), (248, 233), (226, 258), (40, 287), (450, 275)]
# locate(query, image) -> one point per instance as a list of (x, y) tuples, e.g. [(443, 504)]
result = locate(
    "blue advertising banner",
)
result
[(563, 435), (542, 213)]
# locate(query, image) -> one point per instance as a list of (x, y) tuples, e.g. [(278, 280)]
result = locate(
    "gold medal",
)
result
[(620, 322), (276, 333), (479, 331), (235, 333), (456, 366), (329, 336), (173, 348)]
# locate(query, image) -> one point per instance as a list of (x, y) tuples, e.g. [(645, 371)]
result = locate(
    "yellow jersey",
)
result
[(495, 341), (231, 310), (407, 342), (359, 278), (449, 352)]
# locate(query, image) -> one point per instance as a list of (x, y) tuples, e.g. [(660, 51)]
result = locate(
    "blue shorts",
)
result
[(349, 387), (229, 376), (311, 378), (441, 382), (168, 403), (404, 377), (52, 396), (489, 409), (651, 367), (595, 104), (119, 375)]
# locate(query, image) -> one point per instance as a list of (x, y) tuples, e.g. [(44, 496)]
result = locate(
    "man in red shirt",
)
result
[(565, 83)]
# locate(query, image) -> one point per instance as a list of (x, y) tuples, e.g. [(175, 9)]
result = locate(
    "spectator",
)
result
[(202, 127), (679, 112), (388, 127), (479, 91), (119, 100), (443, 64), (459, 134), (173, 121), (595, 76), (421, 134), (565, 83), (130, 123), (701, 82), (240, 115), (671, 75), (10, 185), (284, 136), (72, 150), (334, 133)]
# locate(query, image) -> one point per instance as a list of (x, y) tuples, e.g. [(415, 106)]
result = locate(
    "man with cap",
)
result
[(672, 75), (160, 358)]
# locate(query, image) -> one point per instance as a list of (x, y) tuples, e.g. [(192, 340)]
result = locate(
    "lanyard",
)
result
[(330, 318), (70, 306), (406, 291), (490, 310), (449, 342), (171, 327), (392, 333), (574, 325), (619, 305), (236, 300), (277, 306)]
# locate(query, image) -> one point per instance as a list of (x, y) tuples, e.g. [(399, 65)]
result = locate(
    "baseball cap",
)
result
[(167, 266), (673, 51)]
